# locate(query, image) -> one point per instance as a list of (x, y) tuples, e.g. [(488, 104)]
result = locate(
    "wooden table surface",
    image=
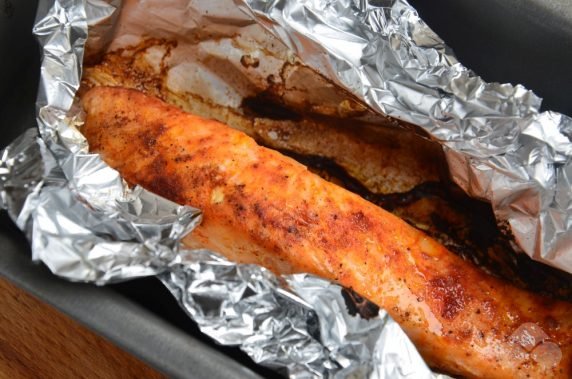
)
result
[(38, 341)]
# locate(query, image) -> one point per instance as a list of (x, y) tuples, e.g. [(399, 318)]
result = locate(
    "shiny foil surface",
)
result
[(87, 225), (498, 146), (300, 325)]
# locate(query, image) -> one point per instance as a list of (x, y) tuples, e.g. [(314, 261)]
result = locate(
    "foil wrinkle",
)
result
[(86, 224), (498, 145)]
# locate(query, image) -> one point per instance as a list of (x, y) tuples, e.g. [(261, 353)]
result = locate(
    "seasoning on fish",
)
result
[(262, 207)]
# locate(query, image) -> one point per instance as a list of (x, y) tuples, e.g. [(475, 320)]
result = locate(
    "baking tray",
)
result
[(518, 41)]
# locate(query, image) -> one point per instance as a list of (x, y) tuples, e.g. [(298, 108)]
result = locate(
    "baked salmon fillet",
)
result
[(262, 207)]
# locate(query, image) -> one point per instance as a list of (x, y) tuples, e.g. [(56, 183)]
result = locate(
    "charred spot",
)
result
[(165, 183), (149, 140), (120, 118), (150, 135), (358, 305), (258, 211), (280, 222), (206, 174), (183, 158), (450, 293), (237, 206), (293, 230), (266, 220)]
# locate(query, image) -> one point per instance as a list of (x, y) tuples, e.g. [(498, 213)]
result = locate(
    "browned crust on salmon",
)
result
[(261, 207)]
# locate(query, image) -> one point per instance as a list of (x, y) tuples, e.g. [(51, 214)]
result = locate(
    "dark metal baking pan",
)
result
[(517, 41), (148, 329)]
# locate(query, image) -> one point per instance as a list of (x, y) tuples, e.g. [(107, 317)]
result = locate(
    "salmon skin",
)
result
[(262, 207)]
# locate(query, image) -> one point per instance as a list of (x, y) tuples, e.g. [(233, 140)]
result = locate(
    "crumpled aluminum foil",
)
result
[(298, 324), (498, 146), (301, 327), (87, 225)]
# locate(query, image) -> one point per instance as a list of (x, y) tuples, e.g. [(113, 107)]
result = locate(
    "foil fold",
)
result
[(499, 147), (86, 224), (299, 325), (137, 236)]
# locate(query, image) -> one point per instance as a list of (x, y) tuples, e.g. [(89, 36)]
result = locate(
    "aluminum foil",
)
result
[(498, 146), (299, 325), (87, 225)]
